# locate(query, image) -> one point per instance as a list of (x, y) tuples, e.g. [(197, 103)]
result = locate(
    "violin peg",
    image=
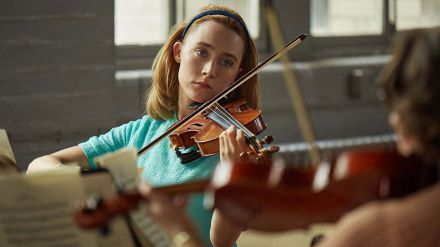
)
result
[(267, 140), (273, 149), (245, 156), (260, 155), (270, 150)]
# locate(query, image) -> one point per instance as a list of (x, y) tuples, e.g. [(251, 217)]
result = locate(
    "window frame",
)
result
[(318, 47), (130, 57), (133, 57)]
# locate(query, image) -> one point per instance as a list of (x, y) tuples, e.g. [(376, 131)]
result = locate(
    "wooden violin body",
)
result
[(204, 130)]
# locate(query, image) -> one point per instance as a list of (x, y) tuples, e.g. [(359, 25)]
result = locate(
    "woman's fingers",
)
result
[(144, 189), (241, 139), (231, 141), (232, 144), (223, 146)]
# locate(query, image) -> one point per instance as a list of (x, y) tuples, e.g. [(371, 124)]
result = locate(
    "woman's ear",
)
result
[(177, 48), (406, 143)]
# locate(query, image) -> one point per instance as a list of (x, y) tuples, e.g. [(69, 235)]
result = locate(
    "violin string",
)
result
[(227, 119), (226, 116)]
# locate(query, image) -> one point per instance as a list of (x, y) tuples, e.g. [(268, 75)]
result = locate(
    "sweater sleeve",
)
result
[(111, 141)]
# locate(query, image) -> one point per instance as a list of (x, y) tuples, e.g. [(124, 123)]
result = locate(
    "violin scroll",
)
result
[(96, 212), (262, 154)]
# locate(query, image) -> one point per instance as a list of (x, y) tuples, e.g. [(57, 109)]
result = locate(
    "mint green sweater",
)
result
[(161, 166)]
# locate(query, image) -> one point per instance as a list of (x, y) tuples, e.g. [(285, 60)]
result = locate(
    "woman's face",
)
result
[(209, 58)]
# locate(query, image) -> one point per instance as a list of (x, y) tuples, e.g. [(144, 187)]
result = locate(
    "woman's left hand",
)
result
[(232, 144)]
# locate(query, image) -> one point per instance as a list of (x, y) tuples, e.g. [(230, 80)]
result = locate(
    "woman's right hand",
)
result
[(170, 212)]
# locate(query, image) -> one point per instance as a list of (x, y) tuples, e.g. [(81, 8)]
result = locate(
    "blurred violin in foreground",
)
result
[(275, 197)]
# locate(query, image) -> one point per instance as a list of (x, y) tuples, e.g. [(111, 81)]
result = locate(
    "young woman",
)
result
[(200, 59), (412, 86)]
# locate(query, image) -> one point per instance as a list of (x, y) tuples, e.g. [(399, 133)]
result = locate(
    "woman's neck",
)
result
[(182, 105), (183, 112)]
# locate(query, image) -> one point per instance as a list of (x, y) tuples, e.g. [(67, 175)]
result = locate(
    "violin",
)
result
[(204, 131), (275, 197), (95, 213)]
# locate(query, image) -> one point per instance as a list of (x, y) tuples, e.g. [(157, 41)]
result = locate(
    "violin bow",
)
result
[(288, 46), (292, 83)]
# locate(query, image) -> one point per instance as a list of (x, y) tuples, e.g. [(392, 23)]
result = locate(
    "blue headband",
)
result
[(215, 12)]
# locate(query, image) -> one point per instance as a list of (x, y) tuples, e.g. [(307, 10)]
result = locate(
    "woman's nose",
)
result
[(209, 69)]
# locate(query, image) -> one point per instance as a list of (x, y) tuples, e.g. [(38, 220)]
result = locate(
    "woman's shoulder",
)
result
[(145, 128), (144, 121)]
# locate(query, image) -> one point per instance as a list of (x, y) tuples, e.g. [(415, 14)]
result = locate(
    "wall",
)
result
[(339, 95), (56, 73), (58, 83)]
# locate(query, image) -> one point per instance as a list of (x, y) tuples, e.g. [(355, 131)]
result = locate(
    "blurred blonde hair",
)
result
[(161, 99)]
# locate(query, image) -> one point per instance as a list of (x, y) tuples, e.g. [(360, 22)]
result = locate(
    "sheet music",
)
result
[(5, 145), (122, 165), (36, 210), (100, 184)]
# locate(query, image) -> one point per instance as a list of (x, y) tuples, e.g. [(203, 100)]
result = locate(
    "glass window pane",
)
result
[(248, 9), (346, 17), (141, 22), (417, 13)]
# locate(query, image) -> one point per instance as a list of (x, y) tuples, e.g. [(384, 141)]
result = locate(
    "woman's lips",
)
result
[(203, 84)]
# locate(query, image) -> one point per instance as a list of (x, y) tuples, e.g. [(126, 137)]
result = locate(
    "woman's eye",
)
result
[(201, 52), (227, 62)]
